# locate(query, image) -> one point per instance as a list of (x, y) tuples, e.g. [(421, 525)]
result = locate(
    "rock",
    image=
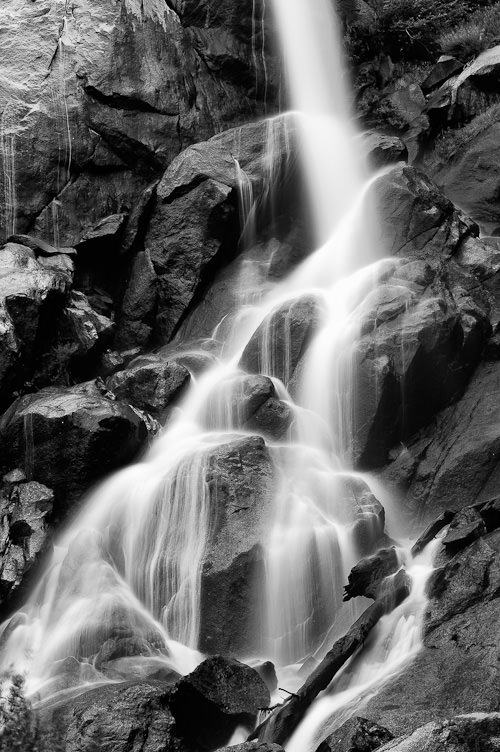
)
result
[(248, 402), (267, 673), (76, 427), (90, 331), (453, 463), (240, 476), (289, 328), (150, 384), (445, 68), (23, 529), (408, 102), (431, 532), (463, 733), (384, 150), (460, 648), (30, 295), (40, 247), (222, 694), (107, 228), (417, 220), (467, 526), (356, 735), (137, 317), (126, 88), (201, 184), (368, 575), (366, 513), (113, 715), (419, 323)]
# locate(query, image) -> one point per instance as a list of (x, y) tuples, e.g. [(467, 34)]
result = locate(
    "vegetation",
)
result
[(20, 729), (454, 140), (480, 32)]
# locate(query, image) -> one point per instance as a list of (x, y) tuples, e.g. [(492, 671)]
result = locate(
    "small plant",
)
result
[(478, 33), (455, 140)]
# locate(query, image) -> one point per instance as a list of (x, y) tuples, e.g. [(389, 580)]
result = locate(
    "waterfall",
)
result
[(132, 559)]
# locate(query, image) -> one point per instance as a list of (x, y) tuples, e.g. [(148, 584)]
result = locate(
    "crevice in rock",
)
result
[(124, 102)]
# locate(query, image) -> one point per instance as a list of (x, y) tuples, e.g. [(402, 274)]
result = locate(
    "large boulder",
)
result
[(356, 735), (111, 718), (194, 228), (240, 477), (222, 694), (32, 294), (68, 438), (125, 87), (454, 462), (422, 333)]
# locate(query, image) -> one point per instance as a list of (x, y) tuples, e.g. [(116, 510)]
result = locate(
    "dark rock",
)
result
[(454, 463), (290, 329), (460, 646), (136, 322), (367, 576), (89, 330), (384, 150), (40, 247), (240, 476), (267, 673), (463, 733), (408, 102), (201, 185), (366, 514), (109, 717), (431, 531), (30, 295), (78, 428), (150, 384), (445, 67), (106, 228), (356, 735), (23, 530), (467, 526), (221, 694)]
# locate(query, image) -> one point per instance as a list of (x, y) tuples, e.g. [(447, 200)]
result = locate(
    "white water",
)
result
[(130, 564)]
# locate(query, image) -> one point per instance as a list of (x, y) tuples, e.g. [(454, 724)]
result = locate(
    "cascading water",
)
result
[(131, 563)]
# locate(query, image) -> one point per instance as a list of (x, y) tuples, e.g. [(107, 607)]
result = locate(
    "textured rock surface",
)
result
[(150, 384), (463, 733), (356, 735), (79, 428), (23, 529), (221, 694), (240, 476)]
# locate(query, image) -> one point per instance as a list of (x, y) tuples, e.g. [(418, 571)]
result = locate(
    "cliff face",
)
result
[(128, 130)]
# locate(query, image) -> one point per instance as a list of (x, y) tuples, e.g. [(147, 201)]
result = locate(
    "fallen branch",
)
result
[(279, 727)]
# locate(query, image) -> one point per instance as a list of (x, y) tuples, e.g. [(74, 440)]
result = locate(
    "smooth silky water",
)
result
[(131, 562)]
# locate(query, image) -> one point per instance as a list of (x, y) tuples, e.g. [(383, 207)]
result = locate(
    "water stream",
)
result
[(132, 560)]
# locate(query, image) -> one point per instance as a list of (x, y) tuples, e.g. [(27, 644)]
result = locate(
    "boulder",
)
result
[(454, 462), (446, 67), (367, 577), (365, 513), (150, 384), (289, 329), (31, 297), (222, 694), (422, 333), (78, 427), (24, 506), (194, 228), (384, 150), (90, 331), (463, 733), (240, 477), (356, 735), (112, 717)]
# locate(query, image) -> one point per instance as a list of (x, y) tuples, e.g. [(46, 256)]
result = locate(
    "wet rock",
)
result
[(417, 220), (463, 733), (201, 185), (368, 575), (77, 427), (467, 526), (113, 715), (23, 529), (454, 463), (40, 247), (384, 150), (150, 384), (31, 296), (288, 331), (356, 735), (366, 513), (267, 673), (460, 647), (445, 68), (222, 694), (423, 333), (431, 531), (240, 476), (254, 746)]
